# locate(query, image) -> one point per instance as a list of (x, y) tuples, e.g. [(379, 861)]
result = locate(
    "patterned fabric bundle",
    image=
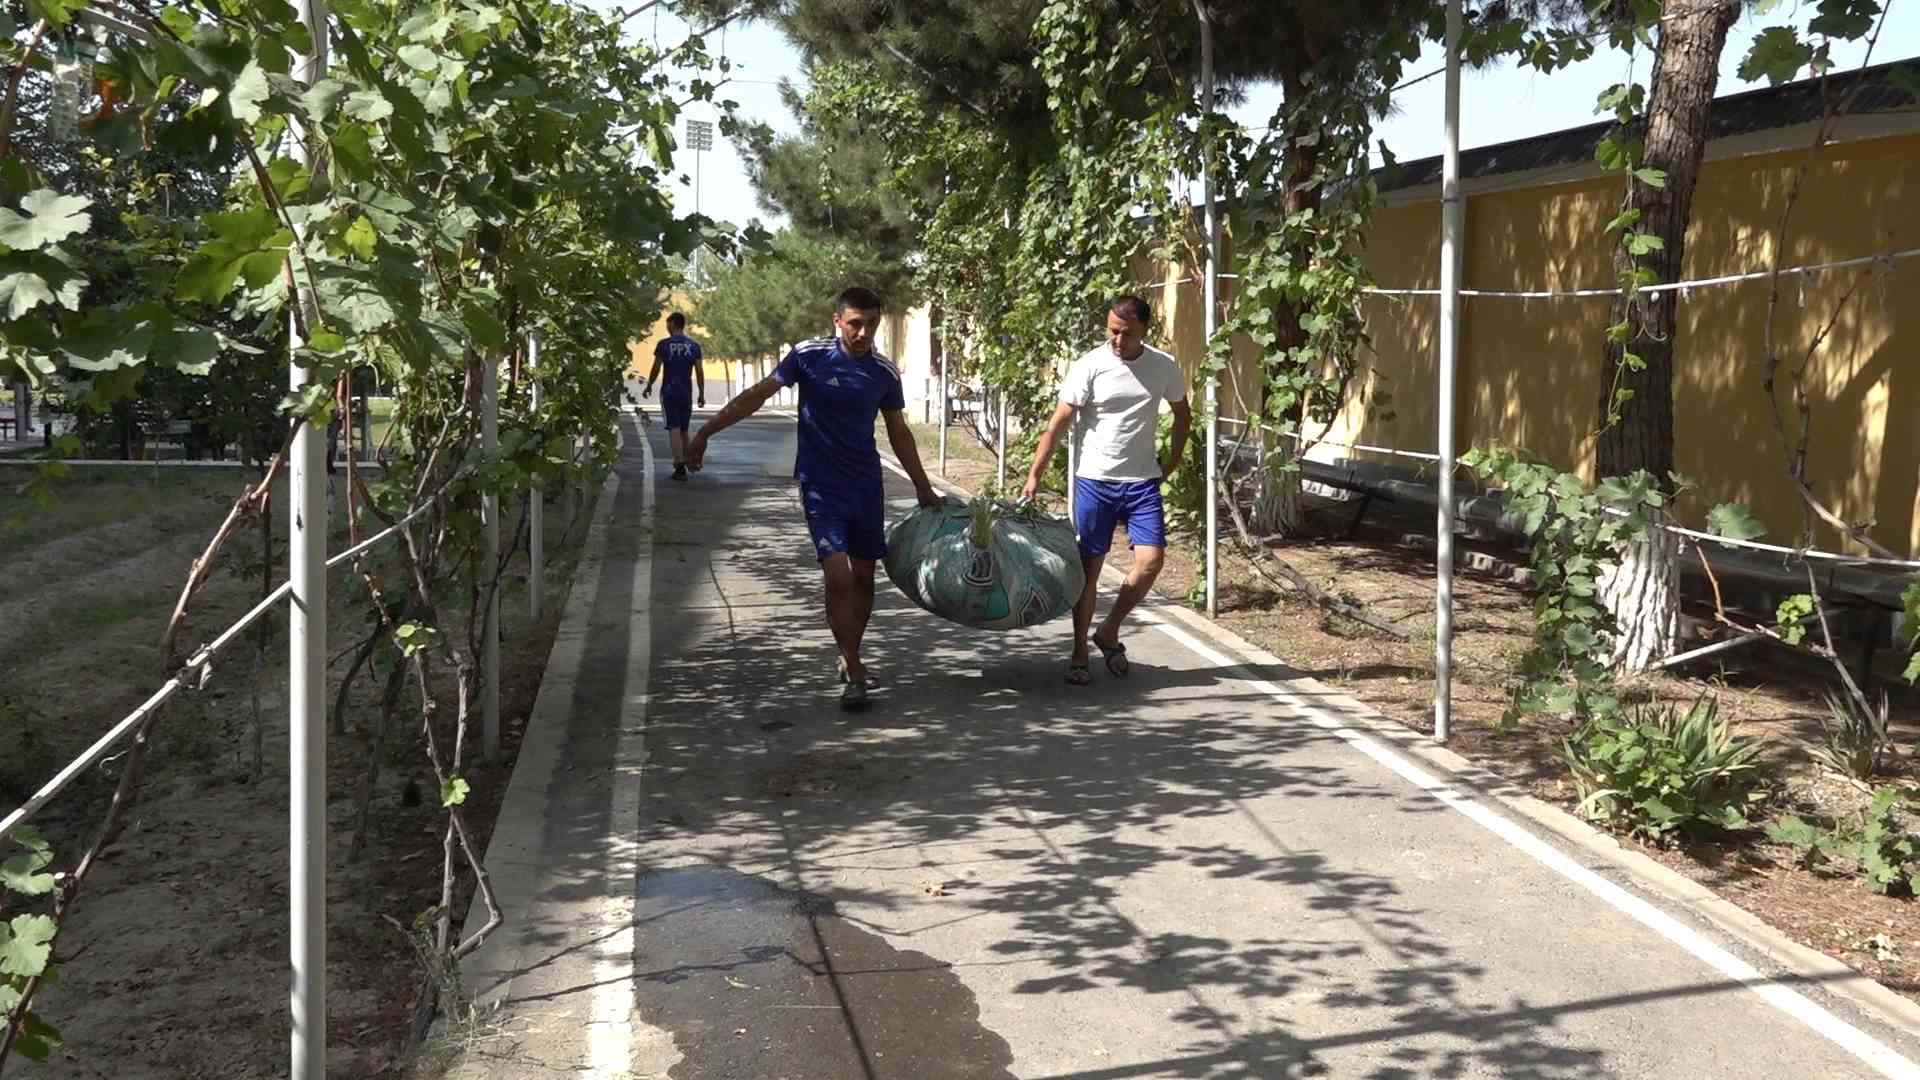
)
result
[(992, 566)]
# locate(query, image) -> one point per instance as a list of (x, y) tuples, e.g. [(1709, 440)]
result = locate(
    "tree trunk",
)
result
[(1685, 71), (1643, 592), (1278, 509)]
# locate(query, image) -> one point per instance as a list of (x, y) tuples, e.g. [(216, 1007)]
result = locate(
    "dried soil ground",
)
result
[(1767, 692), (175, 957)]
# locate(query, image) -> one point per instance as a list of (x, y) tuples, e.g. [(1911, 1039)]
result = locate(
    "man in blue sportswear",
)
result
[(680, 356), (844, 384), (1112, 396)]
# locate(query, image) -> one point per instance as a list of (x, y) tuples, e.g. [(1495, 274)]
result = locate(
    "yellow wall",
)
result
[(1531, 371), (641, 352)]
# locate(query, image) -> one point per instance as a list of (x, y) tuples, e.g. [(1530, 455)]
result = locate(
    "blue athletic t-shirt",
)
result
[(677, 355), (840, 397)]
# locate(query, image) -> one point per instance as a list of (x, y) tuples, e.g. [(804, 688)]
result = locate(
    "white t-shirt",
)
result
[(1118, 410)]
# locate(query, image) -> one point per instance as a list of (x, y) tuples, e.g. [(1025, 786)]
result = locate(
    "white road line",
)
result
[(1881, 1057), (609, 1034)]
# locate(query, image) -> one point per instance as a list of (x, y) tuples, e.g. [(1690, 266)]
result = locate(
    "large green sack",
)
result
[(989, 565)]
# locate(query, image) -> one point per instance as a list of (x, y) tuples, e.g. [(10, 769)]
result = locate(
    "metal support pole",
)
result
[(1707, 650), (1210, 295), (489, 562), (536, 501), (945, 417), (1451, 221), (307, 512)]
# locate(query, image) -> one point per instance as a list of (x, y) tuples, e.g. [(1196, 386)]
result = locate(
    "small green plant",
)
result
[(1882, 852), (26, 945), (1661, 772), (1577, 531), (1855, 742)]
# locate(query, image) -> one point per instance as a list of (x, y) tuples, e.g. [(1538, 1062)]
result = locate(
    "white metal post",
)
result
[(536, 500), (945, 418), (307, 511), (1210, 301), (1451, 221), (489, 562)]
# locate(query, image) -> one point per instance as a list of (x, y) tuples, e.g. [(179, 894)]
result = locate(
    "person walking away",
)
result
[(680, 356), (1112, 397), (844, 384)]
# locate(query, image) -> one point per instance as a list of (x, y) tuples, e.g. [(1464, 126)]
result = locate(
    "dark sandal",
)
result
[(853, 697), (1078, 675), (1115, 657)]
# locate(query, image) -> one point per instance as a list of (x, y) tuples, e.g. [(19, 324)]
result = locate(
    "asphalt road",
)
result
[(1196, 871)]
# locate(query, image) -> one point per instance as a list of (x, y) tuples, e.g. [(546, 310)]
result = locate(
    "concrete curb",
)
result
[(513, 853), (1658, 881)]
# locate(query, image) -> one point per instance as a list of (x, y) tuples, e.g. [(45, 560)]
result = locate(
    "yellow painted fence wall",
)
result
[(1531, 371)]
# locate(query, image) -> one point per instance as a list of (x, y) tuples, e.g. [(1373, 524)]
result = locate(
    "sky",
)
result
[(1497, 105)]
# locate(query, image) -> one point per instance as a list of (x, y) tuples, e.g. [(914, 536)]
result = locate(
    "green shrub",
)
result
[(1185, 494), (1855, 741), (1882, 852), (1659, 772)]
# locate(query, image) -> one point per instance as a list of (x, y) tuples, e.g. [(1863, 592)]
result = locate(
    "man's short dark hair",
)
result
[(676, 322), (1132, 307), (859, 298)]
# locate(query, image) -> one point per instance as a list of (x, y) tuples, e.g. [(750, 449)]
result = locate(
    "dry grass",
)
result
[(186, 918)]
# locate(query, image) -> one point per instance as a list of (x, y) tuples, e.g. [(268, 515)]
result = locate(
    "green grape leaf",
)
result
[(25, 945), (45, 218), (1734, 521), (248, 92), (368, 105)]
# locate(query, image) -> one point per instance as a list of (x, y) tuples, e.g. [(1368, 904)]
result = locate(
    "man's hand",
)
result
[(702, 401), (930, 497), (1033, 488), (646, 390), (697, 450)]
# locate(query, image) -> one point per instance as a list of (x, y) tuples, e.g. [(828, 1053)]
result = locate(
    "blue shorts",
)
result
[(846, 523), (1100, 504), (678, 411)]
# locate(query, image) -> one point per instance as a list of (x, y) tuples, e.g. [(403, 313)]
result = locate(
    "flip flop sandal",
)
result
[(1078, 675), (1115, 657), (873, 681)]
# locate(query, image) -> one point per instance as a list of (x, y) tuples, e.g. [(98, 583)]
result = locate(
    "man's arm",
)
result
[(743, 405), (1043, 453), (900, 437), (652, 376), (700, 375), (1182, 424)]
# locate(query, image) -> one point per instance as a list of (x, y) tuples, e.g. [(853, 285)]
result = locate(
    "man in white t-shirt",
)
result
[(1112, 397)]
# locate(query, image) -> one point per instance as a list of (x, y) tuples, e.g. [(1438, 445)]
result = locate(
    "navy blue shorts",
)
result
[(1098, 505), (846, 523), (678, 411)]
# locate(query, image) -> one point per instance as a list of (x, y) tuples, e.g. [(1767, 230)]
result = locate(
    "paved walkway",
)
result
[(1204, 870)]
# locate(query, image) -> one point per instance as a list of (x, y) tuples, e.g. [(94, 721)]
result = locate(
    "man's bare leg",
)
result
[(849, 606), (1083, 608), (1147, 562), (678, 438)]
